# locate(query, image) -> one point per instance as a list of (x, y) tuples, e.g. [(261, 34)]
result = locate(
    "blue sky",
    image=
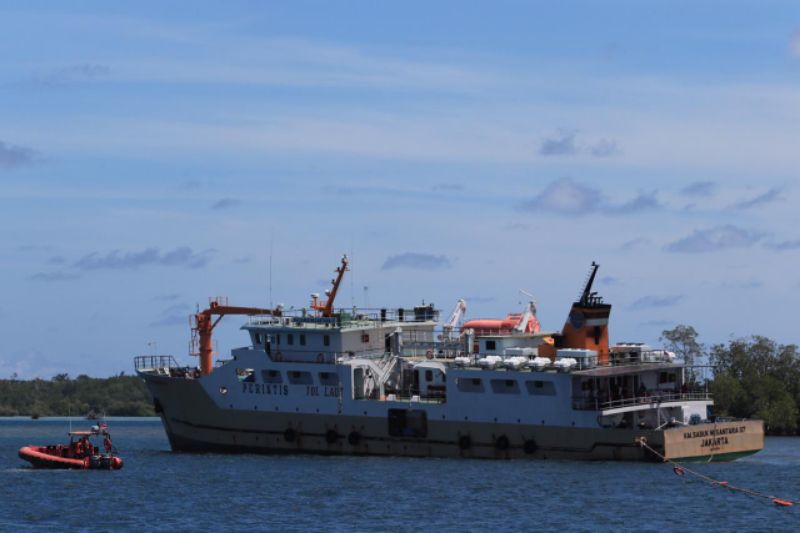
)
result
[(152, 153)]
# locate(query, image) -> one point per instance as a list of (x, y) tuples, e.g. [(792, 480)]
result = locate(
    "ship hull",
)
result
[(194, 423)]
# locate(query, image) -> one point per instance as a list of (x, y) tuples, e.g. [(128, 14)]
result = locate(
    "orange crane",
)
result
[(327, 306), (204, 325)]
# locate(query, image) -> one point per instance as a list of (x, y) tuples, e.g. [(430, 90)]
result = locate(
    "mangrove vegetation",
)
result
[(62, 396)]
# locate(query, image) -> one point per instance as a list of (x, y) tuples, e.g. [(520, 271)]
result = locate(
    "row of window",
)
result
[(507, 386), (295, 377), (261, 339)]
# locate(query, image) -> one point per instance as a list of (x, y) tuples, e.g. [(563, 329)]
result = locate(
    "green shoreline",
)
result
[(61, 396)]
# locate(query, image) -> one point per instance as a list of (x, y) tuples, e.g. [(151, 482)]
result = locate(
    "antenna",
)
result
[(270, 271), (352, 279), (526, 293), (366, 297)]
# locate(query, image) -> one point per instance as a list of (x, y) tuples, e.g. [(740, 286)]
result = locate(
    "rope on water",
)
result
[(681, 470)]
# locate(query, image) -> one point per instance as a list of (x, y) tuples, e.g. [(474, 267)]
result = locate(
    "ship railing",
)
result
[(435, 349), (492, 332), (312, 356), (415, 397), (346, 316), (620, 358), (653, 400), (162, 365)]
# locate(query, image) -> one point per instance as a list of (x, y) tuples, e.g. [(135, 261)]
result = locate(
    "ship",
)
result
[(79, 454), (394, 382)]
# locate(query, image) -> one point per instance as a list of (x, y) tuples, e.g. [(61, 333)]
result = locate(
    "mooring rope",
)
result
[(681, 470)]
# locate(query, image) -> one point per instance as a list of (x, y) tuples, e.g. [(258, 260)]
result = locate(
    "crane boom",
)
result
[(455, 317), (525, 318), (204, 326), (327, 306)]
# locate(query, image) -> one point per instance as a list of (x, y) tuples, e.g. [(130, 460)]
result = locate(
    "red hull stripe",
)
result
[(34, 455)]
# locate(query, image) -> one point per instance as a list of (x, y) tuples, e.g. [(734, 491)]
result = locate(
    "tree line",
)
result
[(61, 396), (751, 377)]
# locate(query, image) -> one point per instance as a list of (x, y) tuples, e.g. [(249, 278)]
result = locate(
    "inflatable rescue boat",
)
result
[(80, 454)]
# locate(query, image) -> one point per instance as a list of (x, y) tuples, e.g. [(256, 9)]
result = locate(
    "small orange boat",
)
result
[(80, 454)]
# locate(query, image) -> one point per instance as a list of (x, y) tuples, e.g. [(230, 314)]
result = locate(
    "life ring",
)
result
[(429, 354), (464, 442), (331, 436), (289, 435), (502, 442), (530, 446), (354, 438), (461, 354)]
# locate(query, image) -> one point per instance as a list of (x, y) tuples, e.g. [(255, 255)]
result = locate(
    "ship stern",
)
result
[(713, 441)]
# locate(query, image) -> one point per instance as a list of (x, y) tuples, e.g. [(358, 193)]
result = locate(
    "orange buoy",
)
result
[(782, 503), (679, 471)]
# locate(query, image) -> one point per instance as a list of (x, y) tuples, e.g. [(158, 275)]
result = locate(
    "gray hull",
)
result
[(195, 424)]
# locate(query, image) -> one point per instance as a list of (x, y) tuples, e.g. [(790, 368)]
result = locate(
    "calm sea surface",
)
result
[(159, 490)]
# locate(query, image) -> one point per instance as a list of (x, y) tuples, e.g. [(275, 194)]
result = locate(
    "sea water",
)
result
[(158, 490)]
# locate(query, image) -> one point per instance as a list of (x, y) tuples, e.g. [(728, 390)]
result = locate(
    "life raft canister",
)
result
[(429, 354)]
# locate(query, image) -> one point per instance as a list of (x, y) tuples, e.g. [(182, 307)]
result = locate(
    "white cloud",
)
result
[(567, 197), (715, 239), (416, 260)]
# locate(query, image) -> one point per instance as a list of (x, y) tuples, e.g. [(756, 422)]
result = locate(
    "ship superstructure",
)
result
[(392, 382)]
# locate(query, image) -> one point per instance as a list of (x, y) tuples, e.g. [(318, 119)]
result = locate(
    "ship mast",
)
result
[(588, 297)]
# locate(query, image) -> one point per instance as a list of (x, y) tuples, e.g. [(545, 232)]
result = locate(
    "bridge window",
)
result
[(247, 375), (541, 388), (469, 385), (271, 376), (302, 339), (300, 378), (505, 386), (666, 377), (429, 375), (290, 339), (491, 345), (326, 340), (328, 379)]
